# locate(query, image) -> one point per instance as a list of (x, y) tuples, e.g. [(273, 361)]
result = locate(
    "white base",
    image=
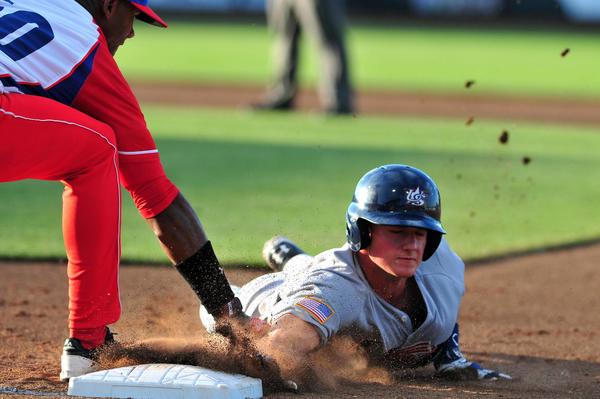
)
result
[(165, 381)]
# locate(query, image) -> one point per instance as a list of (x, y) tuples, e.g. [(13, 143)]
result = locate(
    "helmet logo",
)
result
[(416, 197)]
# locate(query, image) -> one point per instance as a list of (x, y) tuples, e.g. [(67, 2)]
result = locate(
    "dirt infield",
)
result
[(535, 317), (468, 104)]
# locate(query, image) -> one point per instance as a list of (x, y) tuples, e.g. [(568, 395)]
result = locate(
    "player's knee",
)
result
[(107, 135), (102, 144), (96, 136)]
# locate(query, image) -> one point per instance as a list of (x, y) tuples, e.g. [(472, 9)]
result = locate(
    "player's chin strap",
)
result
[(450, 363)]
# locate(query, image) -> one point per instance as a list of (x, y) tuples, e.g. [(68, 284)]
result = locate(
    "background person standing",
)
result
[(324, 21)]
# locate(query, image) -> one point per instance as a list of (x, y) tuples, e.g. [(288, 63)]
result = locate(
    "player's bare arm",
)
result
[(179, 230), (288, 342)]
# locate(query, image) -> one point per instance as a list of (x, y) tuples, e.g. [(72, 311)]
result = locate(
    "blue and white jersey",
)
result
[(47, 48), (54, 49)]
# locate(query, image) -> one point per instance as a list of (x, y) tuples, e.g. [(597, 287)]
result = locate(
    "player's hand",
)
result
[(258, 364), (464, 370), (452, 365), (252, 326), (232, 320)]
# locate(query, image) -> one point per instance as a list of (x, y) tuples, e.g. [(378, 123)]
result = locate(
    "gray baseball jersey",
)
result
[(330, 292)]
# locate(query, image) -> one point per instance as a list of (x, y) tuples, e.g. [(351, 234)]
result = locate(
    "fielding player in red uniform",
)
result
[(67, 114)]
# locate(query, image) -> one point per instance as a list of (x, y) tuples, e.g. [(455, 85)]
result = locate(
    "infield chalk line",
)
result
[(17, 391)]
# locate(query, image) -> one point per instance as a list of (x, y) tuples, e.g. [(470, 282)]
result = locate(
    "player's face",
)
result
[(117, 23), (397, 250)]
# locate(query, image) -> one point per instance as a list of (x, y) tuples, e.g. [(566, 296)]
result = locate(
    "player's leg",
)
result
[(280, 253), (91, 229), (43, 139), (284, 24), (324, 21)]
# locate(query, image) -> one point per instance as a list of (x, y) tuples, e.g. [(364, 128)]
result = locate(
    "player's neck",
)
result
[(389, 287)]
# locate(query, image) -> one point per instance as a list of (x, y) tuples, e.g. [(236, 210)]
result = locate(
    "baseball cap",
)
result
[(147, 14)]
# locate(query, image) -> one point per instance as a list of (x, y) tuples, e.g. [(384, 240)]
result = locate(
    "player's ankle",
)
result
[(89, 337)]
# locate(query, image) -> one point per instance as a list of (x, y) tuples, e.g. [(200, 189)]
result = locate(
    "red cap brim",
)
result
[(149, 16)]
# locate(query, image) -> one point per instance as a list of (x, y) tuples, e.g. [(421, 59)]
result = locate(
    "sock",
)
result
[(90, 337)]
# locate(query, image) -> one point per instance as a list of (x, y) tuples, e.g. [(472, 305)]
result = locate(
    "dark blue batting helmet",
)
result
[(397, 195)]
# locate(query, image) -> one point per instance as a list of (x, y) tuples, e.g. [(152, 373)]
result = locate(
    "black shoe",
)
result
[(278, 251), (340, 111), (279, 105), (76, 360)]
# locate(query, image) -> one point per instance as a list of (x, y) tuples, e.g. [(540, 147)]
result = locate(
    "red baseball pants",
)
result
[(44, 139)]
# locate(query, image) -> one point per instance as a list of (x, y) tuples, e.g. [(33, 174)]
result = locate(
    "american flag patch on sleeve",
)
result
[(318, 309)]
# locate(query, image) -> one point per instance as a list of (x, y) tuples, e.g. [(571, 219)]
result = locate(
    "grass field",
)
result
[(252, 175), (506, 61)]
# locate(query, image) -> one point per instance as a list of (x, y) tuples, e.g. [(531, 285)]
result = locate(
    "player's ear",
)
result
[(108, 7)]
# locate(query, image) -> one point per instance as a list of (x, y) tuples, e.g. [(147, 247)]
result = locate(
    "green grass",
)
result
[(502, 61), (251, 176)]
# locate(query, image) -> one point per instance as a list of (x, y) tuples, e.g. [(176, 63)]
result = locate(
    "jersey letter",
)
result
[(22, 33)]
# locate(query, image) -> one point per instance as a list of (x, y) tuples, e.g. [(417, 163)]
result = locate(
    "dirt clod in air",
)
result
[(565, 52), (503, 139), (526, 160), (469, 84), (470, 121)]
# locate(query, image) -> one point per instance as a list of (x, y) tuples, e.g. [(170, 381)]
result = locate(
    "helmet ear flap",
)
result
[(358, 232), (365, 233), (352, 232), (433, 242)]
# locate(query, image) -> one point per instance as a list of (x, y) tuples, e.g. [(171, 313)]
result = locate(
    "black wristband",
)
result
[(204, 274)]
